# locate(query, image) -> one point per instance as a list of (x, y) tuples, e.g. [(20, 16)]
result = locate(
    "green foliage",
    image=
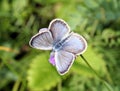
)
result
[(41, 75), (83, 83), (23, 68), (97, 62)]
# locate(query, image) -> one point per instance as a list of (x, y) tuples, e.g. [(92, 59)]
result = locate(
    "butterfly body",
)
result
[(58, 46), (65, 45)]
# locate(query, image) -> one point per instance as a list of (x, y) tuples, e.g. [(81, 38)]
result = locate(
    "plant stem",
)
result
[(59, 87), (8, 49), (102, 80), (23, 85), (16, 85)]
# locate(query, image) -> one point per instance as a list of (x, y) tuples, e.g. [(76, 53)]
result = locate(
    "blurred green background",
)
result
[(23, 68)]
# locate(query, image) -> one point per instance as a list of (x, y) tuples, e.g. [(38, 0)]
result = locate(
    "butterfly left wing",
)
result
[(42, 40), (63, 61)]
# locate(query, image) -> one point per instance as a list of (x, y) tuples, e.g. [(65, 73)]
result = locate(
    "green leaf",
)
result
[(42, 75), (22, 4), (45, 2), (91, 4), (72, 17), (94, 59)]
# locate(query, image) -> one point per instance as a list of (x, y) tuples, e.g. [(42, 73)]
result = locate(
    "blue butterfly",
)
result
[(65, 45)]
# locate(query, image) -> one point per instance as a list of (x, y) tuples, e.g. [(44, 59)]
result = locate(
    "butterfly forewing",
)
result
[(63, 61), (59, 29), (43, 40), (75, 44)]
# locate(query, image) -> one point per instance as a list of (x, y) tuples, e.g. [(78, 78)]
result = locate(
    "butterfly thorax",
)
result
[(58, 46)]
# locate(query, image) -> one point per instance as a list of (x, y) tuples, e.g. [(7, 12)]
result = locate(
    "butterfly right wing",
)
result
[(42, 40), (64, 58), (75, 44)]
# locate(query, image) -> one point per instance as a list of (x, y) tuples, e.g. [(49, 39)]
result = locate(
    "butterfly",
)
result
[(65, 45)]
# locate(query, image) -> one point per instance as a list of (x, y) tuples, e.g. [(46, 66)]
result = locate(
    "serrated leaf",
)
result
[(94, 59), (42, 75)]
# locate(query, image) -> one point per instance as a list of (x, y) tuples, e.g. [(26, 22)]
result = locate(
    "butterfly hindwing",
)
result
[(63, 61)]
